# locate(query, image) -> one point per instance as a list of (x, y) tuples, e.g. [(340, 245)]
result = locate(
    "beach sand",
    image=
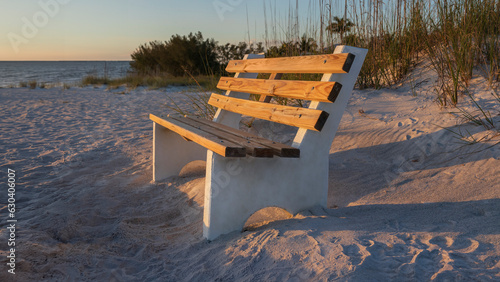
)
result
[(407, 200)]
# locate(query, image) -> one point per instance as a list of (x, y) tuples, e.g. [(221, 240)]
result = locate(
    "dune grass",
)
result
[(458, 36), (150, 81), (32, 84), (461, 38)]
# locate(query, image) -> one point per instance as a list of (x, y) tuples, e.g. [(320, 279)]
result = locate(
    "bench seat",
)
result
[(224, 140)]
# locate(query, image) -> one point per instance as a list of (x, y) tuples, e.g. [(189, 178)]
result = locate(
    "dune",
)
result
[(408, 201)]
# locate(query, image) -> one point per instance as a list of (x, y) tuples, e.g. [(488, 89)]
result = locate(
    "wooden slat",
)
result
[(322, 91), (294, 116), (267, 98), (222, 147), (332, 63), (252, 148), (279, 149)]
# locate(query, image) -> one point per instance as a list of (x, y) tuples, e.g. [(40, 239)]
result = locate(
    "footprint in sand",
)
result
[(412, 120), (408, 121), (463, 246), (442, 242), (436, 257), (356, 253), (471, 246)]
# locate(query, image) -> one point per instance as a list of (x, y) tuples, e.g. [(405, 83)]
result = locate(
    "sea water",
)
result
[(12, 73)]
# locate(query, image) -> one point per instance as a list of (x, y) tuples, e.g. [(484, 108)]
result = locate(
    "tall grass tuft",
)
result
[(32, 84), (152, 81), (199, 105), (463, 35), (458, 36), (93, 79)]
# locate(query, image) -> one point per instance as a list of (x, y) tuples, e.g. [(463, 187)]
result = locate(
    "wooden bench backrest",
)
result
[(323, 91), (328, 97)]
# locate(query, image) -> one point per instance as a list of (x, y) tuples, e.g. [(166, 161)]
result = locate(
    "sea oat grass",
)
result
[(198, 106), (93, 80), (153, 82), (32, 84), (463, 35)]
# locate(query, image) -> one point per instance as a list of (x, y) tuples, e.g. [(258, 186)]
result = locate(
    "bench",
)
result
[(245, 172)]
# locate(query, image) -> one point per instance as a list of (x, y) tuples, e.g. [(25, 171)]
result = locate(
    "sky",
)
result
[(113, 29)]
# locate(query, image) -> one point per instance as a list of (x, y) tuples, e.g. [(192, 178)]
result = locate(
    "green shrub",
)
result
[(177, 56)]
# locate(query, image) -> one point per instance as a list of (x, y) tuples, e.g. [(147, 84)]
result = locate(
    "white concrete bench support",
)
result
[(171, 153), (237, 188)]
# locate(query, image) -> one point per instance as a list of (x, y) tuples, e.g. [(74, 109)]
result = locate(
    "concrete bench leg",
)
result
[(238, 187), (171, 153)]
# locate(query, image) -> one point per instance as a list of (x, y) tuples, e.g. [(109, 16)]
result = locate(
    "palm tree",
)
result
[(306, 45), (340, 26)]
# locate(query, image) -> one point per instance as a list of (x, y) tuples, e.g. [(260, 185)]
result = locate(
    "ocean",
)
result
[(58, 72)]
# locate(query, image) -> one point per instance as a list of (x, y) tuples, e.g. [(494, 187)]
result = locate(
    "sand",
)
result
[(408, 201)]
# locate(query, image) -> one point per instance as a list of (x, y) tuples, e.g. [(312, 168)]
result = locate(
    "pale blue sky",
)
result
[(112, 29)]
